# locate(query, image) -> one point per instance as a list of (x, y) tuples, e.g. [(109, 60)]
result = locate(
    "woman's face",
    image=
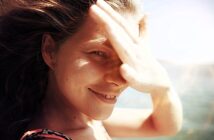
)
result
[(86, 72)]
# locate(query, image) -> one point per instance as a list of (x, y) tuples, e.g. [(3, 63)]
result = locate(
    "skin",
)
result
[(107, 58)]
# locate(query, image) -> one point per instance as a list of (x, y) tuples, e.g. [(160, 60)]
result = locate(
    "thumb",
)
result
[(134, 80), (129, 74)]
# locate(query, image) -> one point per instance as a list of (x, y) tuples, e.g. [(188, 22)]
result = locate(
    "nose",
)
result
[(114, 77)]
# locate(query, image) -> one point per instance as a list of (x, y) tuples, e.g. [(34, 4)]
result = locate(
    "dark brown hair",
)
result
[(23, 73)]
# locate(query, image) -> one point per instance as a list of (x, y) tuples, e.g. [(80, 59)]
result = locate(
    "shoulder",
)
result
[(44, 134)]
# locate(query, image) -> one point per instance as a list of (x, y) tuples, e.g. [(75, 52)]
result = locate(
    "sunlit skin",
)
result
[(84, 62), (87, 62), (105, 56)]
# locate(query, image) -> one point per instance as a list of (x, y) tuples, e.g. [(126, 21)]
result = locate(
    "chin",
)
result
[(103, 115)]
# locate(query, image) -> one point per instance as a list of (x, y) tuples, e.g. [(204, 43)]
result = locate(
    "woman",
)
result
[(64, 63)]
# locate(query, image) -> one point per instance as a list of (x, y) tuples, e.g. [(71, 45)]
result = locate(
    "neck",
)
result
[(60, 116)]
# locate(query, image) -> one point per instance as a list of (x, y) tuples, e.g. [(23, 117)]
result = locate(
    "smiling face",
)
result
[(85, 75)]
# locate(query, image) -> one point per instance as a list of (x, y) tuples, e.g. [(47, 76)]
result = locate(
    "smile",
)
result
[(110, 99)]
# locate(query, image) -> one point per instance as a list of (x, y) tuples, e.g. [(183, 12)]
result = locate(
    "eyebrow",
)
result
[(101, 40)]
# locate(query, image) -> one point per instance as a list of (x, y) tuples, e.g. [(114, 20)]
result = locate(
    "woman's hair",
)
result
[(23, 73)]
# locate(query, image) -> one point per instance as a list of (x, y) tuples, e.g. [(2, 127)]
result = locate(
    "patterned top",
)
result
[(44, 134)]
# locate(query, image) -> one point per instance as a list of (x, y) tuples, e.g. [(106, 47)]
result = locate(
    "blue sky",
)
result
[(181, 31)]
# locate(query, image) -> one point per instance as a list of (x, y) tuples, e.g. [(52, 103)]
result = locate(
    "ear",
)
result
[(48, 50)]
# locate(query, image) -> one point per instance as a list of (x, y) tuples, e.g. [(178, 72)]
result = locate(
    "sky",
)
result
[(181, 31)]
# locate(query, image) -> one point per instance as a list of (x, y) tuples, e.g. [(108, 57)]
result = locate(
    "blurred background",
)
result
[(182, 39)]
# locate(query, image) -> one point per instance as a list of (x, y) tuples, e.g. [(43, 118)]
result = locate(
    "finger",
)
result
[(119, 39), (133, 79), (119, 19)]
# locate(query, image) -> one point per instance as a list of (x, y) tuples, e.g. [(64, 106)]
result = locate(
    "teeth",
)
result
[(110, 96)]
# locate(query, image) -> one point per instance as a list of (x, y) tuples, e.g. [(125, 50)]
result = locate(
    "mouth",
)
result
[(111, 99)]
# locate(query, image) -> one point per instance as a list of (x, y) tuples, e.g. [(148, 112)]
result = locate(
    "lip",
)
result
[(102, 98)]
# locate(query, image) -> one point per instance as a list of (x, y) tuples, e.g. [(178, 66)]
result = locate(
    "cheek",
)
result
[(78, 74)]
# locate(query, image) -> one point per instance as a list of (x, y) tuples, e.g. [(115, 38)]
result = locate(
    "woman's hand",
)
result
[(142, 72), (139, 68)]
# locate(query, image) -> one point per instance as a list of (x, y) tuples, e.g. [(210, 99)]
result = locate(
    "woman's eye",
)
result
[(99, 53)]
